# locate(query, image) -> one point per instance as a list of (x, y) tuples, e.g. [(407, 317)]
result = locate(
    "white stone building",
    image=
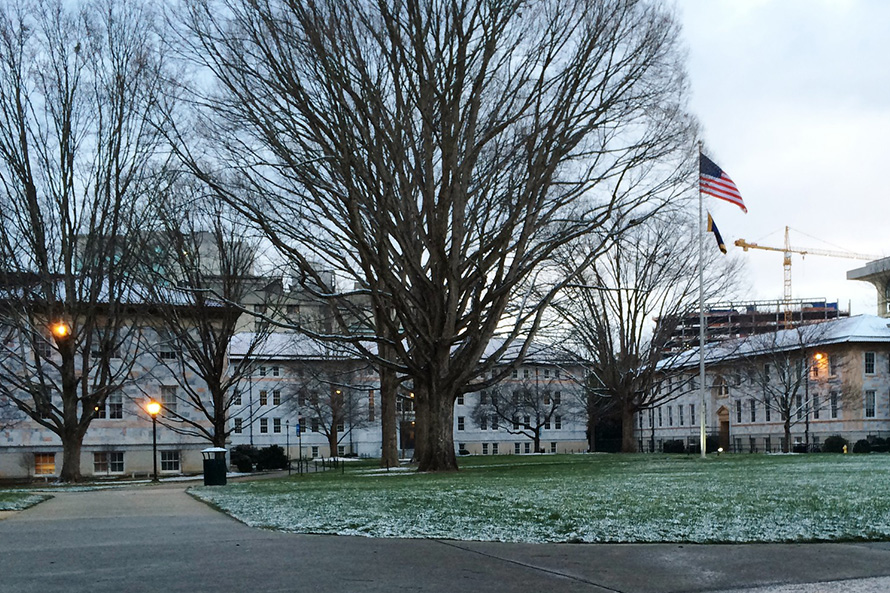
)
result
[(835, 374)]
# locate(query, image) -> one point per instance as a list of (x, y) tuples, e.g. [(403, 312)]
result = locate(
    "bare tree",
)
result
[(786, 373), (436, 154), (527, 406), (198, 262), (332, 402), (78, 87), (623, 307)]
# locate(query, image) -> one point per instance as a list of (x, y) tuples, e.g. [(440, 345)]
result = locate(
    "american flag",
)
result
[(715, 182)]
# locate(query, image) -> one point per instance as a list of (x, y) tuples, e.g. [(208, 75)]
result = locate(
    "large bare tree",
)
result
[(435, 154), (198, 264), (623, 308), (78, 85)]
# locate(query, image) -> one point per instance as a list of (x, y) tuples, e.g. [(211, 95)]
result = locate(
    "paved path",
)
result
[(157, 538)]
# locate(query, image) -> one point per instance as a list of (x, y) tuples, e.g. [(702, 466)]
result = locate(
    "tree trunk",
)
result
[(591, 433), (537, 441), (332, 440), (787, 426), (72, 443), (435, 436), (389, 454), (628, 442)]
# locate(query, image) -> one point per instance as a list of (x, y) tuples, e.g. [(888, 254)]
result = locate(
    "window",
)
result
[(264, 397), (460, 422), (553, 447), (660, 418), (526, 422), (340, 427), (168, 399), (833, 404), (766, 371), (483, 399), (44, 464), (870, 403), (557, 398), (547, 373), (110, 462), (514, 375), (832, 364), (276, 425), (528, 448), (167, 352), (485, 448), (115, 404), (799, 406), (264, 425), (691, 414), (722, 386), (371, 411), (314, 425), (766, 411), (557, 422), (525, 373), (494, 422), (275, 372), (301, 425), (460, 400), (753, 403), (869, 363), (679, 416), (341, 450), (239, 425), (301, 398), (276, 398), (767, 444), (236, 401), (515, 422), (547, 424), (670, 415), (314, 451), (816, 405), (494, 449), (261, 371), (483, 423), (169, 461), (516, 448), (738, 411)]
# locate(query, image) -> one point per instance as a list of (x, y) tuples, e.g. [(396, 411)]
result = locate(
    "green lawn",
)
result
[(15, 500), (585, 498)]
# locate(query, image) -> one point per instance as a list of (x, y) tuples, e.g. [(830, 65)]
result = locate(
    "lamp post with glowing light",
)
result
[(153, 408)]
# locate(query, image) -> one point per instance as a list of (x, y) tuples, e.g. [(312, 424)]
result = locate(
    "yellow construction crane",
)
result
[(787, 251)]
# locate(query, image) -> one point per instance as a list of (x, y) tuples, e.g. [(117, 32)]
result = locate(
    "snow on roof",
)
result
[(859, 329)]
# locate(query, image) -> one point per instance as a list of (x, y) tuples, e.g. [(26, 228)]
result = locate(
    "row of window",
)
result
[(518, 448), (276, 423), (555, 398), (105, 462), (524, 422)]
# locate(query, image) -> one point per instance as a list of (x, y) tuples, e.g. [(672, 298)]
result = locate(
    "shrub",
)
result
[(879, 445), (243, 457), (862, 446), (272, 457), (674, 447), (834, 444)]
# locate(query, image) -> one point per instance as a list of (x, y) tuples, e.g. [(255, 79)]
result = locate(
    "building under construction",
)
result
[(734, 320)]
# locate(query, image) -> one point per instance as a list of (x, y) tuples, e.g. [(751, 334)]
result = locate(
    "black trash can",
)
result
[(214, 466)]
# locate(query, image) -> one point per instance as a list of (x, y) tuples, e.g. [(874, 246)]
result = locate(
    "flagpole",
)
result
[(701, 319)]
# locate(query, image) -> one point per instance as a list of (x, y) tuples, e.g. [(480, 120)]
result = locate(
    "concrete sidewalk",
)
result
[(158, 538)]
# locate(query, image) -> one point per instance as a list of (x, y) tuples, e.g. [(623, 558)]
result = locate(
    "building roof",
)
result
[(860, 329)]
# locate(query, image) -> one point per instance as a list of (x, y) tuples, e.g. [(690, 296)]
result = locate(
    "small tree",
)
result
[(525, 407), (783, 371)]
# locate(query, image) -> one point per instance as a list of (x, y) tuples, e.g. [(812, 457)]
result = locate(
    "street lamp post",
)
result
[(153, 409)]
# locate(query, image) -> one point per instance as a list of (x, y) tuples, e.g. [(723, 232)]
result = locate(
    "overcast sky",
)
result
[(794, 101)]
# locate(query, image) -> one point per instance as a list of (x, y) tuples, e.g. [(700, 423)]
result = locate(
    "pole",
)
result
[(701, 322), (287, 440), (154, 445), (300, 437)]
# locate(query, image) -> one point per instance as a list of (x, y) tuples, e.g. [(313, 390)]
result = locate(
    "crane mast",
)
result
[(786, 251)]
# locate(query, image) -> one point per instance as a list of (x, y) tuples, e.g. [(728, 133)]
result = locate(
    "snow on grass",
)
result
[(13, 500), (581, 498)]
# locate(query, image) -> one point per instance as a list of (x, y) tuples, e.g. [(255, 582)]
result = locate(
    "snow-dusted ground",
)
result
[(11, 500), (638, 498)]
